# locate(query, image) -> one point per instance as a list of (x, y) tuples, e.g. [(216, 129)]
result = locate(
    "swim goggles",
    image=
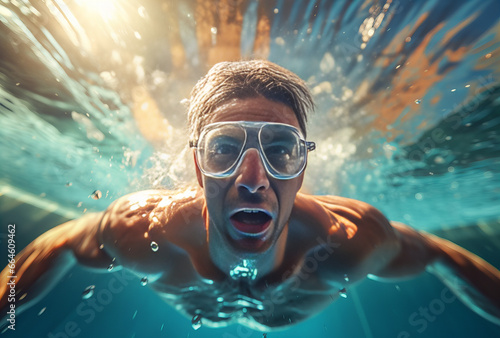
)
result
[(221, 147)]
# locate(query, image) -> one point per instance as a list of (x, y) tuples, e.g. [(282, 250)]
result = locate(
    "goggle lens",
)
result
[(220, 148), (282, 149)]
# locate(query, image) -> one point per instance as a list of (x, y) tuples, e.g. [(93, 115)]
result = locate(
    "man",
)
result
[(245, 246)]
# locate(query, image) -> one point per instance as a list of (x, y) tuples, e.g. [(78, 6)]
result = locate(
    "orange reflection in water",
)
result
[(414, 75)]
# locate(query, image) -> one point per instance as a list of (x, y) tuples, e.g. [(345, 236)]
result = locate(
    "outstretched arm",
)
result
[(44, 261), (472, 279)]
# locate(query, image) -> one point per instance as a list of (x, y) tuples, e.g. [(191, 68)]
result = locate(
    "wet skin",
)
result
[(313, 248), (298, 265), (326, 242)]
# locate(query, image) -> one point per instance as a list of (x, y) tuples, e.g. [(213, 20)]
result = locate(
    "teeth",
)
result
[(251, 211)]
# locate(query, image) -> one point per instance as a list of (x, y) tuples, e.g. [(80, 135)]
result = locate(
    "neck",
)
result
[(246, 266)]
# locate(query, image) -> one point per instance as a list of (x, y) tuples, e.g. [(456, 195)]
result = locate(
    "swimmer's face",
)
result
[(249, 209)]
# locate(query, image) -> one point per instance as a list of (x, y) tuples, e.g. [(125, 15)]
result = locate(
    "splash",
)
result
[(244, 270)]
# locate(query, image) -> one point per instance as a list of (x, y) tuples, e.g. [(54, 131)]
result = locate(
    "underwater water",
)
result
[(407, 119)]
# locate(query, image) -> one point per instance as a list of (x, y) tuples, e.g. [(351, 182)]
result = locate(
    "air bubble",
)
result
[(97, 194), (439, 160), (418, 101), (346, 278), (343, 293), (196, 322), (111, 267), (88, 292), (42, 311), (154, 246), (144, 281), (213, 30), (142, 12)]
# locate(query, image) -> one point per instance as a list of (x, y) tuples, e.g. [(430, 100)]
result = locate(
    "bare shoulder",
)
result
[(135, 226), (344, 216), (360, 236)]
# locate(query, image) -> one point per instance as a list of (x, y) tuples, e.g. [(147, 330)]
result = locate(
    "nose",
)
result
[(252, 174)]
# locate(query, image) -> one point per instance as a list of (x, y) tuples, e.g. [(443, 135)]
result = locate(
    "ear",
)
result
[(199, 175)]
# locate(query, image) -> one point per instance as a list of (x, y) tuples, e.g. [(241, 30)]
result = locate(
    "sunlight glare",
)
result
[(105, 8)]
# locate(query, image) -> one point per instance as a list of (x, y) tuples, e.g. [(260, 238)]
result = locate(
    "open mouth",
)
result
[(253, 222)]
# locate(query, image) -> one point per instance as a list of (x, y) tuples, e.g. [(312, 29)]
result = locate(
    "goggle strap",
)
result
[(310, 146)]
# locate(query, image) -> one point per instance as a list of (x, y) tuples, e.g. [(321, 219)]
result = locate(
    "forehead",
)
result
[(254, 109)]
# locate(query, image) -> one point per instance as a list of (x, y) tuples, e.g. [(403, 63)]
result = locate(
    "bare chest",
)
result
[(259, 306)]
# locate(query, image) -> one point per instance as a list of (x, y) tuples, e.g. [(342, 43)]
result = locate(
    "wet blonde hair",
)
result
[(247, 79)]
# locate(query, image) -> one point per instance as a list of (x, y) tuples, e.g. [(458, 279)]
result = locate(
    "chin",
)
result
[(251, 245)]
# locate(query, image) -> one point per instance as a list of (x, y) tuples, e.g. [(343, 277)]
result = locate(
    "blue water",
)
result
[(407, 119)]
